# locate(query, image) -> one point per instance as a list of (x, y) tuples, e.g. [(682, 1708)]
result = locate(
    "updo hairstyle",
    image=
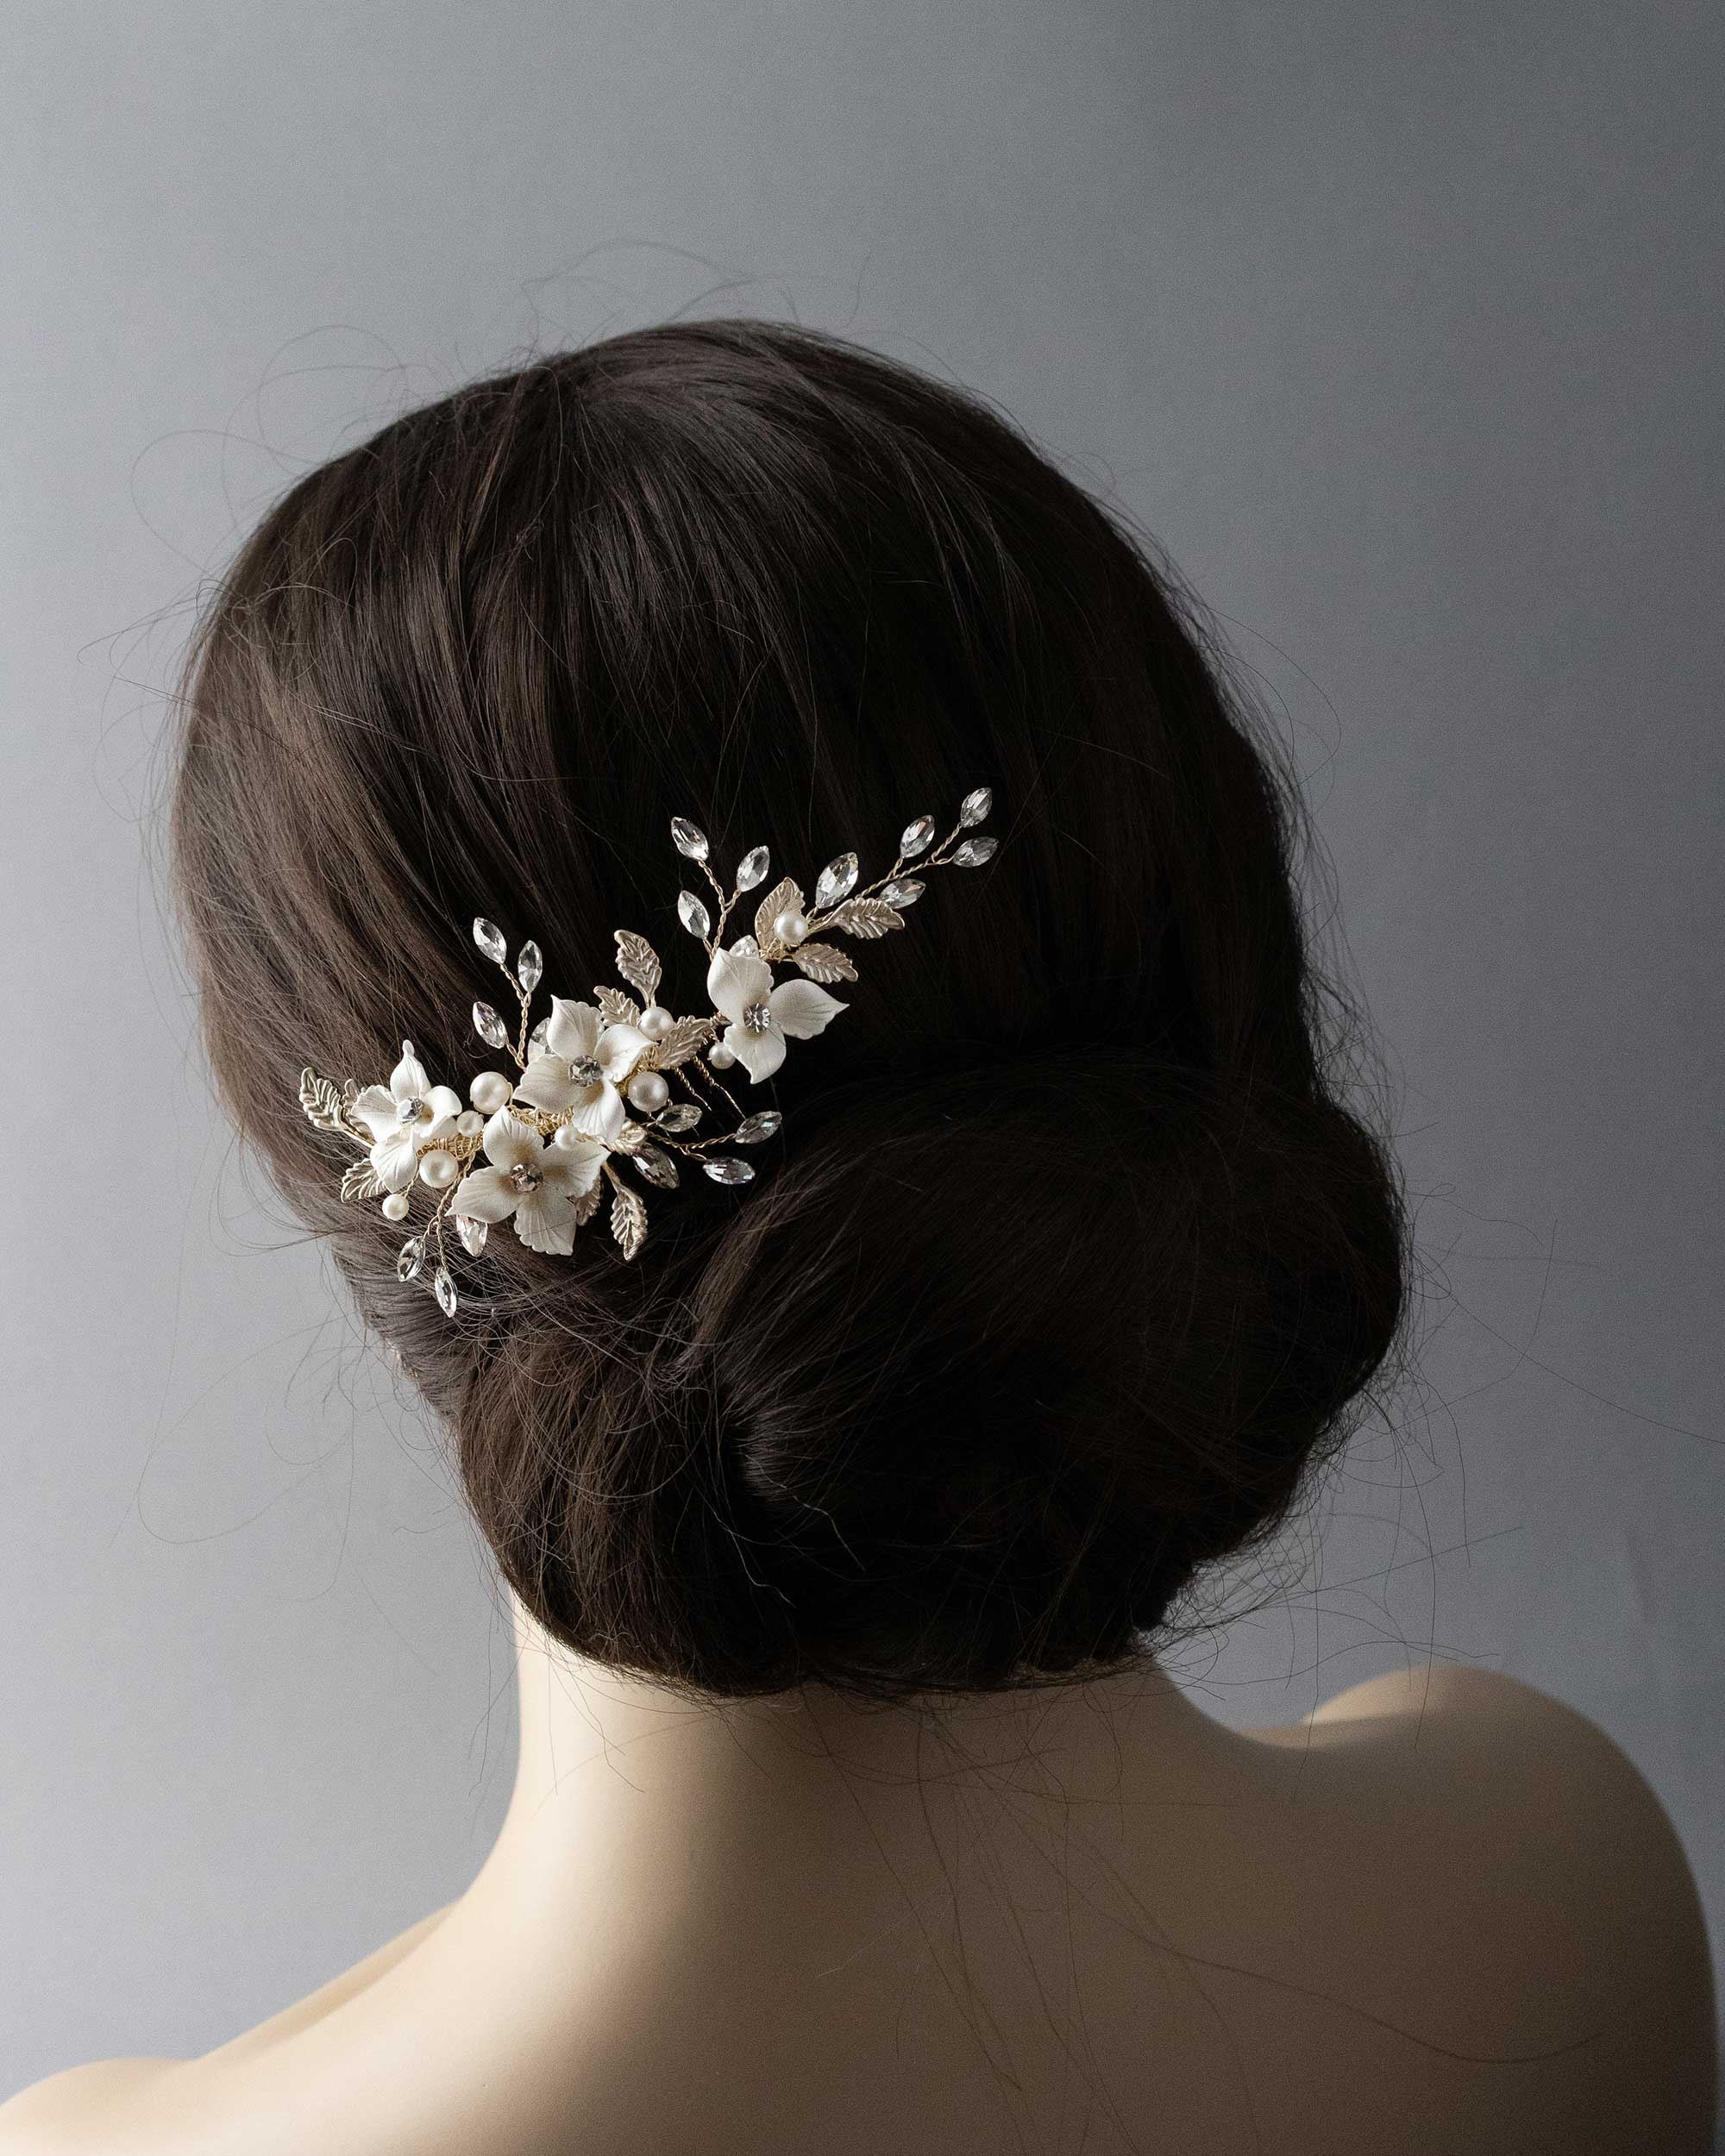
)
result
[(1072, 1262)]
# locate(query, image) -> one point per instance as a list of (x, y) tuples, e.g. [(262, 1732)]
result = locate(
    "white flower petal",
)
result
[(375, 1107), (486, 1194), (803, 1009), (573, 1168), (734, 983), (572, 1028), (617, 1050), (396, 1158), (410, 1079), (546, 1083), (760, 1054), (509, 1141), (437, 1115), (545, 1221), (597, 1110)]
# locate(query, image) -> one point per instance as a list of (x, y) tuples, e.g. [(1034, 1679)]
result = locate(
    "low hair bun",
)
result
[(965, 1395)]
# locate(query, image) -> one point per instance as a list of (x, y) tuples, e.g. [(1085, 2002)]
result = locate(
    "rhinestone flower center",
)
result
[(584, 1071), (757, 1017), (523, 1178), (410, 1111)]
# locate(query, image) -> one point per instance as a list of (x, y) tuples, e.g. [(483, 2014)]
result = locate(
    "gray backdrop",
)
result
[(1399, 325)]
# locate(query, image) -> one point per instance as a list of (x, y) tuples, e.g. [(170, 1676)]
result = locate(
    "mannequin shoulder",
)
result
[(1535, 1761), (1504, 1720), (117, 2105), (69, 2113), (1594, 1894)]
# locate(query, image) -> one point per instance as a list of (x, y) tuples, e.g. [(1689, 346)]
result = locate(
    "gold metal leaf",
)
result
[(865, 917), (785, 897), (350, 1122), (618, 1009), (823, 961), (629, 1219), (321, 1097), (678, 1044), (586, 1205), (628, 1137), (361, 1181), (638, 962)]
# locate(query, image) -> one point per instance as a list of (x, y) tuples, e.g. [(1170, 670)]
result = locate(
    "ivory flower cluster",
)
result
[(617, 1082)]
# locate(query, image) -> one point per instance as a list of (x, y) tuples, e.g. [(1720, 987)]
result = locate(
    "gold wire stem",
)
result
[(699, 1062), (519, 1050), (693, 1145), (725, 906), (662, 1137)]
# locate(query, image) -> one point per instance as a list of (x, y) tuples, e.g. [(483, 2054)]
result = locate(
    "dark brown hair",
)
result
[(1071, 1259)]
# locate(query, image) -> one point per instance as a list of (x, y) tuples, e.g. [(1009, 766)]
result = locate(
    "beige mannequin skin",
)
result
[(792, 1925)]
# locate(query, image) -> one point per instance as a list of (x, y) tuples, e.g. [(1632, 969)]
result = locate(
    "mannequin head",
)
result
[(1069, 1262)]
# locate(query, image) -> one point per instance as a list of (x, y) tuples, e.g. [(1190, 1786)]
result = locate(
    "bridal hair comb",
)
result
[(552, 1136)]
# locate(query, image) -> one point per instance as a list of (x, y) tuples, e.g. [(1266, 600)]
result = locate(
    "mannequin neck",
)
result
[(603, 1754)]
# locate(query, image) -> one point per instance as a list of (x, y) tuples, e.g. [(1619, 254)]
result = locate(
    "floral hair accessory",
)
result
[(552, 1137)]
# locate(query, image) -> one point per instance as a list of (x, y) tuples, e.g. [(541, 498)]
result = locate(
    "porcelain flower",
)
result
[(535, 1182), (581, 1067), (407, 1114), (761, 1015)]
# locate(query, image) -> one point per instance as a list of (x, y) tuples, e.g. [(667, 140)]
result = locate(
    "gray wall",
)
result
[(1401, 332)]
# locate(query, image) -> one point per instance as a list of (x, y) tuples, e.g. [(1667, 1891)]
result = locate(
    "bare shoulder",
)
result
[(1588, 1870)]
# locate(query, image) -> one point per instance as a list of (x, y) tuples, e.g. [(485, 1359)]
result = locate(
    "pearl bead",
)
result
[(438, 1168), (469, 1122), (567, 1134), (395, 1205), (720, 1057), (491, 1091), (647, 1091), (790, 928), (656, 1021)]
